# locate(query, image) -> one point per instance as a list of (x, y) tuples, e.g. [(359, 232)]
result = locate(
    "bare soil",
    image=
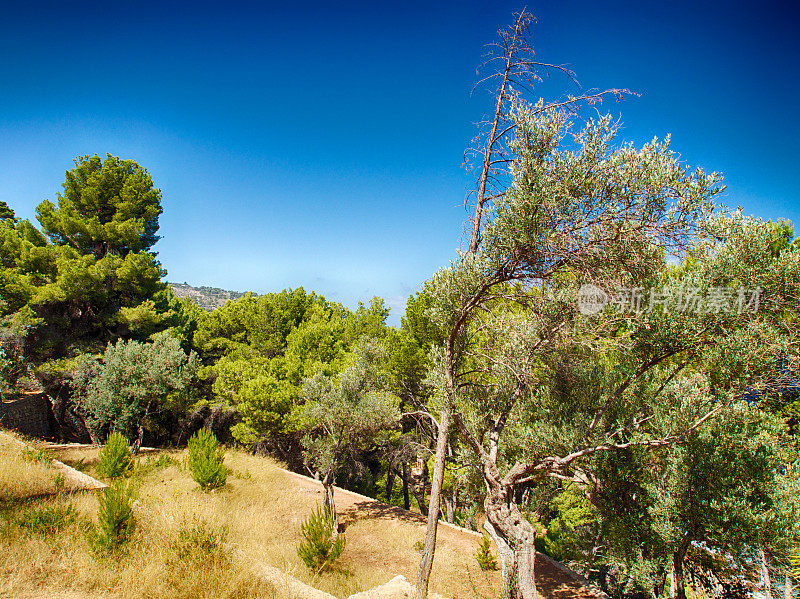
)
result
[(552, 582)]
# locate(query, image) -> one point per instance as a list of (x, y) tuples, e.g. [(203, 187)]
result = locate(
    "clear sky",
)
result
[(320, 144)]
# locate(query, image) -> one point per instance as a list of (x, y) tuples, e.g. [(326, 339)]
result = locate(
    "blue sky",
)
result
[(320, 144)]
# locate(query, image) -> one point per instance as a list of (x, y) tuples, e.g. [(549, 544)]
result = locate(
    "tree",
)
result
[(542, 391), (6, 213), (587, 211), (108, 206), (344, 415), (135, 381), (512, 65), (258, 351), (95, 280), (722, 486)]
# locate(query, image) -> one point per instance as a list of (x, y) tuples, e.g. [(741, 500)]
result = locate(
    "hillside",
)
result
[(207, 298), (250, 524)]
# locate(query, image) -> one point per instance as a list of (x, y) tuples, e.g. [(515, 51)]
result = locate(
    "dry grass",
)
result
[(264, 512), (24, 472), (176, 551), (258, 513)]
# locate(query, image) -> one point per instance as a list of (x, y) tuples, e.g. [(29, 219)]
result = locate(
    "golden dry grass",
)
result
[(161, 561), (24, 472), (260, 510)]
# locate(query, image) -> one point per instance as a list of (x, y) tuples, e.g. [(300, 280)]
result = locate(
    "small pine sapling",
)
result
[(319, 547), (115, 517), (484, 556), (115, 457), (205, 460)]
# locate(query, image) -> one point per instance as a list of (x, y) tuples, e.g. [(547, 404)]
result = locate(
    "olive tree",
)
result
[(540, 390), (581, 207), (134, 381), (344, 415)]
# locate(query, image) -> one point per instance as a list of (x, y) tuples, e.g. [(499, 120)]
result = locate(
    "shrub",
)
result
[(318, 549), (484, 555), (796, 564), (115, 518), (201, 541), (47, 519), (205, 460), (115, 457)]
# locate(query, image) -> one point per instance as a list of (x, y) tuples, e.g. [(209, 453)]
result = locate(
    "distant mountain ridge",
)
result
[(207, 298)]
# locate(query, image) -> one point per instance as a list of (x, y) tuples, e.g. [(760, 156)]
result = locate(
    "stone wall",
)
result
[(29, 415)]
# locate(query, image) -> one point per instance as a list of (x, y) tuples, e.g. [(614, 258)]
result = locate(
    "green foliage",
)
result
[(319, 549), (108, 206), (258, 351), (796, 564), (6, 213), (724, 486), (49, 519), (345, 415), (205, 460), (134, 380), (91, 279), (261, 393), (115, 457), (573, 514), (116, 521), (484, 556)]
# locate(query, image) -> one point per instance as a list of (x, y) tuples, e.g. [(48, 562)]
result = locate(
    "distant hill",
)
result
[(207, 298)]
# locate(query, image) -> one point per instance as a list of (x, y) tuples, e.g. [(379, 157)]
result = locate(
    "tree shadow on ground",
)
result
[(371, 509)]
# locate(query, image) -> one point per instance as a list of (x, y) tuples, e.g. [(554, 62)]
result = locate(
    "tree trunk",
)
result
[(678, 585), (406, 499), (418, 489), (140, 436), (515, 539), (660, 583), (766, 581), (508, 564), (673, 585), (591, 558), (448, 504), (787, 587), (329, 505), (426, 564), (389, 483)]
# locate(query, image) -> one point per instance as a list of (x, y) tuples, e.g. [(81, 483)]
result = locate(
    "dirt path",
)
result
[(553, 580)]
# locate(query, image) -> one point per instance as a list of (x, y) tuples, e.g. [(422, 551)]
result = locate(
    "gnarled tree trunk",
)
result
[(515, 539)]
